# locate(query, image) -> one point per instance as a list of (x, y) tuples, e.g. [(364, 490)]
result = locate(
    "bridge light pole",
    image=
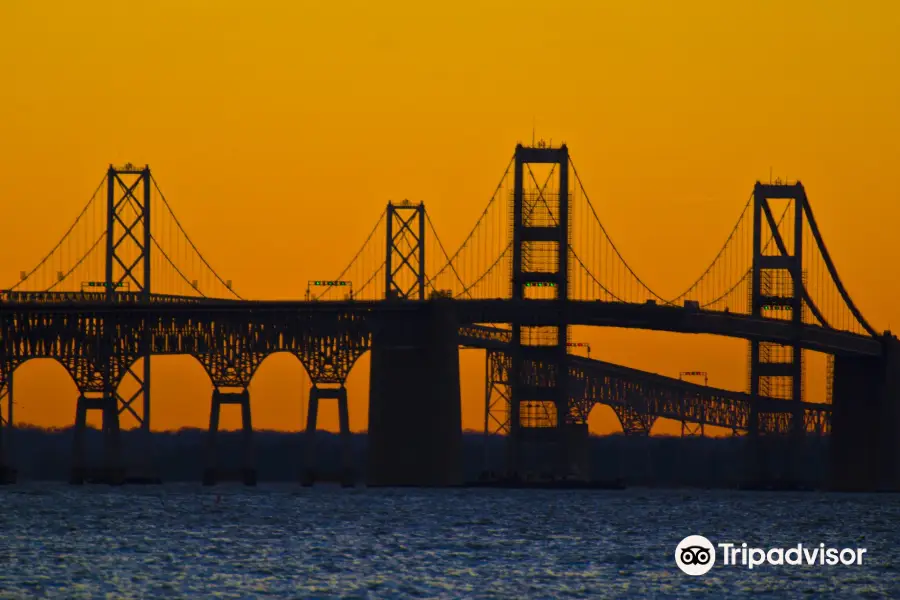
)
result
[(584, 345)]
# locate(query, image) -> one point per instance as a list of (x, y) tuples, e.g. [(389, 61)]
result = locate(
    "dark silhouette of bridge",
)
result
[(126, 282)]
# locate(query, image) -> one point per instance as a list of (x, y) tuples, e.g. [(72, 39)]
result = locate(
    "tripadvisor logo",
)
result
[(696, 555)]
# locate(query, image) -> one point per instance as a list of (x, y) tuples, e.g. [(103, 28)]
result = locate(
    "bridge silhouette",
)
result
[(126, 282)]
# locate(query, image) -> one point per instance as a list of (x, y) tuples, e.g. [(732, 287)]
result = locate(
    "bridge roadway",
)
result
[(595, 313), (231, 339)]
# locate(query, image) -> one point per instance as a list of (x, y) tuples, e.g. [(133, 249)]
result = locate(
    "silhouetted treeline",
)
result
[(41, 454)]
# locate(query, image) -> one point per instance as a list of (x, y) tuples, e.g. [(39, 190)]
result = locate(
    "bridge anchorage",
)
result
[(537, 263)]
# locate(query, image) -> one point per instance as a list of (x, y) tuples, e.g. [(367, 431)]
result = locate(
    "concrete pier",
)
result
[(316, 393), (865, 441), (112, 471), (7, 470), (415, 420), (212, 473)]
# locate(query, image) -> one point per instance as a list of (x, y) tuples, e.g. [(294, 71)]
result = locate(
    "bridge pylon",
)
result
[(540, 425), (777, 291), (404, 267), (127, 266)]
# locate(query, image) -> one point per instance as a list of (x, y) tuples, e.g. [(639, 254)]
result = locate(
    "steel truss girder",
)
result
[(633, 421), (638, 399), (79, 342), (682, 401), (590, 313), (100, 350), (497, 392)]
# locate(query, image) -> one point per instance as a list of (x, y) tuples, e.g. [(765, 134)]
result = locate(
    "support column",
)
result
[(340, 394), (111, 472), (309, 439), (212, 474), (7, 429), (112, 439), (485, 439), (577, 459), (864, 445), (415, 423)]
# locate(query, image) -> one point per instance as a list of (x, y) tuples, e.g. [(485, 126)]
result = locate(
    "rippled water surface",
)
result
[(286, 541)]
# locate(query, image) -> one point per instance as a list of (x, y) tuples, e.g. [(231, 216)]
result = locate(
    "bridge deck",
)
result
[(593, 313)]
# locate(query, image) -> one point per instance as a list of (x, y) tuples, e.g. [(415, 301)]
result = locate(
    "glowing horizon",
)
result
[(282, 133)]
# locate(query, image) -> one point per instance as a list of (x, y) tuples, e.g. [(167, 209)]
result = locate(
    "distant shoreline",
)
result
[(180, 456)]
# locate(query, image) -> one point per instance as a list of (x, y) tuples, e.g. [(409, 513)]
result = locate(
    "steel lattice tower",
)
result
[(128, 265), (127, 268), (405, 278)]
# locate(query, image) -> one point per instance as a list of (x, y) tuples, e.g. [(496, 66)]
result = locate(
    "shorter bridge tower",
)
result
[(404, 267), (127, 268)]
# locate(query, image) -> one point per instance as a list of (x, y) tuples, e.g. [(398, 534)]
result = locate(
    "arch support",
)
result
[(322, 392), (112, 471), (247, 473)]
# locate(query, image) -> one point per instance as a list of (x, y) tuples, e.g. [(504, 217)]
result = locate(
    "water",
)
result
[(290, 542)]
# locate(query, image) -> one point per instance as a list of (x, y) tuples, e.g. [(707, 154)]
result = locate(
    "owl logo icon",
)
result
[(695, 555)]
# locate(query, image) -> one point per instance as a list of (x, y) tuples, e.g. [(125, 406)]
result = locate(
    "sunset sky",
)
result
[(279, 130)]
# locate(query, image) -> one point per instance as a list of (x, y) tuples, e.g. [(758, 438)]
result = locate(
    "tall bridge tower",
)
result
[(539, 397), (777, 291)]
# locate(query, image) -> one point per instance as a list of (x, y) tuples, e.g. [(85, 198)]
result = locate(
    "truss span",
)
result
[(231, 342), (597, 313), (655, 396)]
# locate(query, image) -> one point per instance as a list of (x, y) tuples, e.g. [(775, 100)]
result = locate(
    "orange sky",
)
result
[(279, 133)]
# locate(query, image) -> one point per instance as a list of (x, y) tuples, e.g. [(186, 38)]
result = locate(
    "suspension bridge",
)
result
[(126, 282)]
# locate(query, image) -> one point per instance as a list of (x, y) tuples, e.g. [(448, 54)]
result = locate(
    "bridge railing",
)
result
[(16, 297)]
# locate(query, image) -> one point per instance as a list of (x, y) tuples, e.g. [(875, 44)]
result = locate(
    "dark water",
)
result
[(289, 542)]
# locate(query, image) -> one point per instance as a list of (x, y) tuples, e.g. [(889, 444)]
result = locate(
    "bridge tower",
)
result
[(777, 291), (539, 425), (127, 268), (404, 266)]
